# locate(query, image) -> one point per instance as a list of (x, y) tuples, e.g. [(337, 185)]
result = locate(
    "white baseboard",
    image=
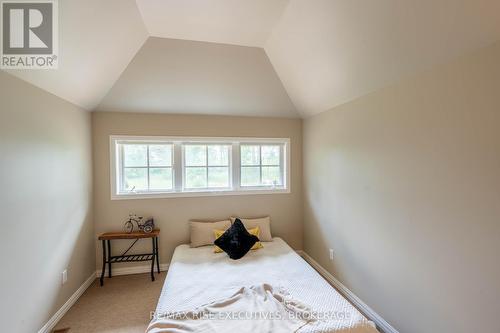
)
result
[(132, 270), (382, 325), (69, 303)]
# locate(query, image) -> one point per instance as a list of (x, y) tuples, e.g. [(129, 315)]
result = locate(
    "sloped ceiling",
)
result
[(180, 76), (97, 40), (238, 22), (328, 52), (325, 52)]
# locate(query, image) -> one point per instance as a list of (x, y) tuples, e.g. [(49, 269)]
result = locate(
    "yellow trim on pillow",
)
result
[(217, 234), (254, 231)]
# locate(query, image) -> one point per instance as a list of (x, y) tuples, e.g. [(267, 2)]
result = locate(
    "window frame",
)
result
[(282, 164), (207, 166), (178, 163), (122, 167)]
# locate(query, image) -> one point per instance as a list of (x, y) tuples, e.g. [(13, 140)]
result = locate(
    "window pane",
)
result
[(250, 155), (135, 155), (196, 178), (195, 155), (160, 178), (250, 176), (271, 176), (270, 155), (135, 179), (218, 155), (160, 155), (218, 177)]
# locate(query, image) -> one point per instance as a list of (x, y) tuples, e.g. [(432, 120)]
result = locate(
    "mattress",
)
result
[(198, 276)]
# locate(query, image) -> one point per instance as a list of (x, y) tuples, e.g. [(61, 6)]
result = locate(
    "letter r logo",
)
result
[(27, 27)]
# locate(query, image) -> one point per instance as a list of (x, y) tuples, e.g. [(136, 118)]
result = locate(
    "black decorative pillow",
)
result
[(236, 241)]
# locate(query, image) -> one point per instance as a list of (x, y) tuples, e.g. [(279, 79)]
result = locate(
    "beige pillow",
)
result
[(264, 224), (202, 233)]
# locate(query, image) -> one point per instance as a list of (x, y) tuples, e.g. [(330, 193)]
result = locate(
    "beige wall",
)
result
[(404, 185), (172, 214), (45, 200)]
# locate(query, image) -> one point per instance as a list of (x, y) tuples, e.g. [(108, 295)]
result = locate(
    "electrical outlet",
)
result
[(331, 254), (64, 276)]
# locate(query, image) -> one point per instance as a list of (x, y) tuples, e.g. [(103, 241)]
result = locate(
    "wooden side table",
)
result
[(107, 258)]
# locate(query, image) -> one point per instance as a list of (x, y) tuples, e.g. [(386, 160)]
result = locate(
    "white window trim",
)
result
[(207, 189), (178, 166), (120, 166)]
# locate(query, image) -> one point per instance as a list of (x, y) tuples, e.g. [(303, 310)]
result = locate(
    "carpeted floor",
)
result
[(122, 305)]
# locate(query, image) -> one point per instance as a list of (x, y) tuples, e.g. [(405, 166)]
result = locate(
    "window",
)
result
[(261, 165), (143, 167), (206, 166), (146, 167)]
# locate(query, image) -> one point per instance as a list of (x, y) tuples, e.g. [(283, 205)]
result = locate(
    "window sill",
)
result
[(193, 194)]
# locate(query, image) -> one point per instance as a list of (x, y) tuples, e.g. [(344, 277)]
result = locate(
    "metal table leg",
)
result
[(157, 257), (101, 280), (109, 258), (153, 260)]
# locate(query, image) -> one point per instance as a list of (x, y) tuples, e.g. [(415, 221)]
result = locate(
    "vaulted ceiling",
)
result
[(181, 76), (97, 40), (238, 22), (287, 58)]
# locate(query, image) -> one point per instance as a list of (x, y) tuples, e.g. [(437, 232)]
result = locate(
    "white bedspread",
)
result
[(197, 276), (249, 310)]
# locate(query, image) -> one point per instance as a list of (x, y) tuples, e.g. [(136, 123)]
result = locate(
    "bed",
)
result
[(198, 276)]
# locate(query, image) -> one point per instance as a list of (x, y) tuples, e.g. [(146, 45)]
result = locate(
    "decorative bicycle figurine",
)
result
[(133, 220)]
